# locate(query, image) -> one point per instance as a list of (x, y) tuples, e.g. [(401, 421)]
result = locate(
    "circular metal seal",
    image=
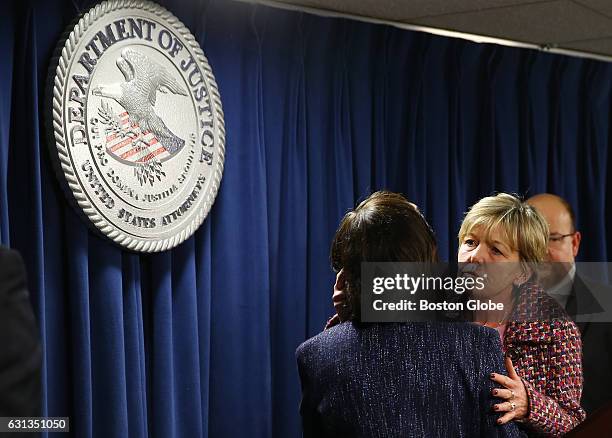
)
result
[(137, 125)]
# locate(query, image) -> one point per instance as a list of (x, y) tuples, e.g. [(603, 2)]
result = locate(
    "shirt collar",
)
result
[(564, 287)]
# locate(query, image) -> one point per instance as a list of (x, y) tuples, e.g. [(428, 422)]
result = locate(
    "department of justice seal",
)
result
[(137, 125)]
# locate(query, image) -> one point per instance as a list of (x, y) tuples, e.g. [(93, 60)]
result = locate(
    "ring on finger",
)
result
[(511, 395), (512, 406)]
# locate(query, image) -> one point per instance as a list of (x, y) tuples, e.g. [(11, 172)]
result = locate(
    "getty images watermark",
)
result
[(395, 292)]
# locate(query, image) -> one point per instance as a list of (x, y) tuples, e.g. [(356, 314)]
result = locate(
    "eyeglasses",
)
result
[(557, 238)]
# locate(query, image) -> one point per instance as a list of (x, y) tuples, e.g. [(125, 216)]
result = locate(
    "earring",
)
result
[(521, 279)]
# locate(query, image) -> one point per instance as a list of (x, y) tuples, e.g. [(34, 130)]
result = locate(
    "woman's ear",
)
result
[(340, 280), (523, 276)]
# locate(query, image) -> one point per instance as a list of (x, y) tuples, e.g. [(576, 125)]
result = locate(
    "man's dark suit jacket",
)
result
[(20, 353), (401, 380), (586, 299)]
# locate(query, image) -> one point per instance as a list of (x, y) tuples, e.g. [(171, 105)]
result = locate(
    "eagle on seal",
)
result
[(137, 95)]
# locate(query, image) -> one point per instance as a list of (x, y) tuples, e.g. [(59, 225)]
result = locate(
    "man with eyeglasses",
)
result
[(574, 293), (563, 246)]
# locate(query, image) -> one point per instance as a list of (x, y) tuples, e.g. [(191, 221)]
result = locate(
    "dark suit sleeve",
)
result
[(311, 420), (20, 356), (492, 361)]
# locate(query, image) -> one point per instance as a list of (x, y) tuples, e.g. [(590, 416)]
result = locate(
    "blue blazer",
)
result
[(417, 379)]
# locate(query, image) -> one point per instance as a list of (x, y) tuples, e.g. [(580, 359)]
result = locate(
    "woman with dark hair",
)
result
[(395, 379), (384, 227)]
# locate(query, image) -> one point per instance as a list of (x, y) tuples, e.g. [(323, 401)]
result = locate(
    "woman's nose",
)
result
[(477, 255)]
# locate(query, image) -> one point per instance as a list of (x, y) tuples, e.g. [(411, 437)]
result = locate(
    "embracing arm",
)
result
[(558, 411)]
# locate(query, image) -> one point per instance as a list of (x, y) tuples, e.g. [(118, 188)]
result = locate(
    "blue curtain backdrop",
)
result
[(199, 341)]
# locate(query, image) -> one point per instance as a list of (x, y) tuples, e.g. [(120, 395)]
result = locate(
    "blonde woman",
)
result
[(502, 236)]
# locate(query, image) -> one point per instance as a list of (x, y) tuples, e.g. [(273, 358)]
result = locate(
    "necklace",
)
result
[(491, 324), (496, 324)]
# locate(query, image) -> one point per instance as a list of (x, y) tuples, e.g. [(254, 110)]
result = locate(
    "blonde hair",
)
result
[(522, 226)]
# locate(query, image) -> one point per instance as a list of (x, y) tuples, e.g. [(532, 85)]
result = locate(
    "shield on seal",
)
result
[(140, 147)]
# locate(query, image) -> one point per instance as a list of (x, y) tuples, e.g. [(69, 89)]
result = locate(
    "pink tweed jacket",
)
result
[(545, 348)]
